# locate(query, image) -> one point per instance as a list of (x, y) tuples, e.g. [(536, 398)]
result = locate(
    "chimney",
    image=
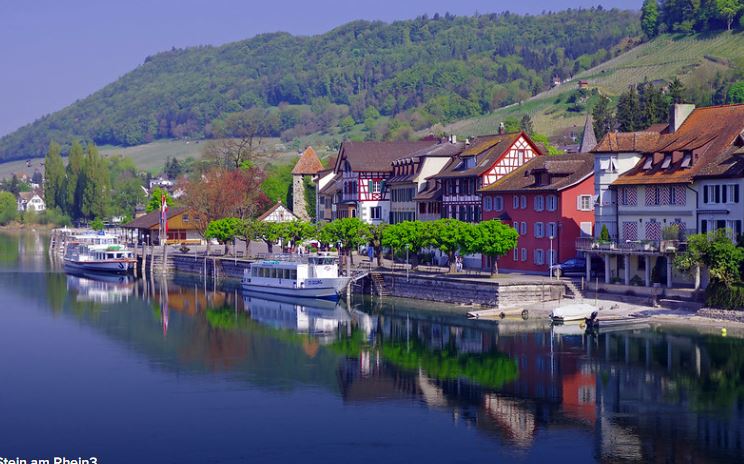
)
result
[(502, 128), (454, 139), (677, 115)]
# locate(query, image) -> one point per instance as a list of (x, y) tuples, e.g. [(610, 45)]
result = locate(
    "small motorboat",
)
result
[(572, 312)]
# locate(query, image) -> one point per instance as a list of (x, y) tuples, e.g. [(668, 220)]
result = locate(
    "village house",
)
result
[(676, 188), (278, 213), (31, 201), (409, 183), (549, 201), (181, 228), (362, 170), (325, 181), (483, 161)]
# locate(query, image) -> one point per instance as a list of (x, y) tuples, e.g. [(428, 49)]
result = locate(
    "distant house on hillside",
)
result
[(30, 201)]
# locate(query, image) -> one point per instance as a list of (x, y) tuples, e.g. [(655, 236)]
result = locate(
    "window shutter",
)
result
[(725, 194), (578, 202), (705, 194), (736, 193)]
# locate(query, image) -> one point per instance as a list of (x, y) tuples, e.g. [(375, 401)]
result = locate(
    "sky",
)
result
[(54, 52)]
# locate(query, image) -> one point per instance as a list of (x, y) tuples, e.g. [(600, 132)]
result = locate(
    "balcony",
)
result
[(590, 244)]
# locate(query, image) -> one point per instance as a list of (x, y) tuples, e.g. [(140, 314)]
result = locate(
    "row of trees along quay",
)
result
[(450, 236)]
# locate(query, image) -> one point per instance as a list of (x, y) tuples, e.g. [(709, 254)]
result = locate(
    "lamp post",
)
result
[(408, 267), (550, 259)]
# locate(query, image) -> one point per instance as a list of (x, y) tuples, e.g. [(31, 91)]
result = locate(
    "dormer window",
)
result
[(667, 161), (470, 162), (648, 163), (686, 160)]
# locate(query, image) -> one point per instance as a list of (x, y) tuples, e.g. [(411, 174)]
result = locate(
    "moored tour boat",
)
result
[(108, 258), (296, 276)]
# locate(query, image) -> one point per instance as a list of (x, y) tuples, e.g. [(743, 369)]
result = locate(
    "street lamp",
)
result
[(408, 268), (550, 259)]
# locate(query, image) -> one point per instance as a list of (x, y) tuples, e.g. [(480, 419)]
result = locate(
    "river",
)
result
[(182, 371)]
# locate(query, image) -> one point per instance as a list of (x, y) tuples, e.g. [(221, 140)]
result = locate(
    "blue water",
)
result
[(171, 371)]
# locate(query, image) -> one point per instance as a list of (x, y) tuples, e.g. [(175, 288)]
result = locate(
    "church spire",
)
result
[(588, 139)]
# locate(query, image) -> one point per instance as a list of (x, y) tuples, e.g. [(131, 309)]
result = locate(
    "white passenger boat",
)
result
[(313, 276), (110, 258), (572, 312)]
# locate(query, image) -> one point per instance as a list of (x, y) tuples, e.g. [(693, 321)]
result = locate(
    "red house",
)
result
[(549, 196)]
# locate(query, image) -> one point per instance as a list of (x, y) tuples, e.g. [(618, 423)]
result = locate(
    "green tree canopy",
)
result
[(156, 197), (650, 18), (54, 177), (223, 230), (8, 208), (493, 239), (448, 236)]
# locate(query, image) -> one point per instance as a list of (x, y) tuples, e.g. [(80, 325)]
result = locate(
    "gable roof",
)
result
[(624, 142), (376, 156), (709, 134), (277, 206), (27, 196), (486, 150), (564, 171), (152, 219), (308, 164)]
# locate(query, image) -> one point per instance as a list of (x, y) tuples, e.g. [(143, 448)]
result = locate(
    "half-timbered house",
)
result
[(483, 161), (364, 169)]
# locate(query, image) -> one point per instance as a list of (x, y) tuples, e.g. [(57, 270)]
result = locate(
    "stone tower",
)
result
[(308, 165)]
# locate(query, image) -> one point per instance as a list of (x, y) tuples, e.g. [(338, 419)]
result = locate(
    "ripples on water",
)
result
[(176, 371)]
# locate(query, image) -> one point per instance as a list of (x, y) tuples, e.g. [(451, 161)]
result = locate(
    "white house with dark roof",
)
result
[(30, 201)]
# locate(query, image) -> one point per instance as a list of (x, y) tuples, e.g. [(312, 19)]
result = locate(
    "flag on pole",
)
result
[(164, 216)]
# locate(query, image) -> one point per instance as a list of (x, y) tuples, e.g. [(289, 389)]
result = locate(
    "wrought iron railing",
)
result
[(631, 246)]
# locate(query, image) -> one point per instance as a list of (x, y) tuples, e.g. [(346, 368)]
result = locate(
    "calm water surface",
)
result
[(171, 371)]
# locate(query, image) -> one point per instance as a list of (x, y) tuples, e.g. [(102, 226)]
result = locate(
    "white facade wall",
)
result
[(716, 212), (364, 211), (642, 221), (607, 168)]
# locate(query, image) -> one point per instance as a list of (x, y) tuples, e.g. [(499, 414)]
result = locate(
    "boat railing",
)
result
[(291, 257)]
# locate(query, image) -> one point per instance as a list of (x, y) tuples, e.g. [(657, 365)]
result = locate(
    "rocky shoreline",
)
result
[(721, 314)]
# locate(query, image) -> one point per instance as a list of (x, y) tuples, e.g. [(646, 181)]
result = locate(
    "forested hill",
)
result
[(428, 70)]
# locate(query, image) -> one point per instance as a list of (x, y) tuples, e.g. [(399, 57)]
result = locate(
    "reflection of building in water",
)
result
[(100, 289), (320, 318)]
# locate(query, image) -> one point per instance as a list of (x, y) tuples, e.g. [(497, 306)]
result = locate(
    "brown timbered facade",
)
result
[(364, 169), (485, 160)]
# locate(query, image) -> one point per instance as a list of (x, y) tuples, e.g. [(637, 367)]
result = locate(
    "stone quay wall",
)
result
[(472, 292)]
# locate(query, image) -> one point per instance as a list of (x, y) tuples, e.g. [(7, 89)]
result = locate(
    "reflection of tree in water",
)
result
[(9, 253)]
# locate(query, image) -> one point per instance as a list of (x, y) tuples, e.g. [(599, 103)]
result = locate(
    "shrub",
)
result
[(719, 295)]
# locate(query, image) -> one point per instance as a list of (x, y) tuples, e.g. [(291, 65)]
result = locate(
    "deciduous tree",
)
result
[(54, 177), (448, 236), (492, 239)]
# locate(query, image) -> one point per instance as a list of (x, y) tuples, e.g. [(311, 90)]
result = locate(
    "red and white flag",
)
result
[(164, 215)]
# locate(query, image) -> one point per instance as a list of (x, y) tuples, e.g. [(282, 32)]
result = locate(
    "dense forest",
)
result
[(659, 16), (423, 71)]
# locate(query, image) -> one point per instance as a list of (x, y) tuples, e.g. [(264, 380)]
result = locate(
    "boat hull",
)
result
[(109, 267), (573, 312), (327, 289)]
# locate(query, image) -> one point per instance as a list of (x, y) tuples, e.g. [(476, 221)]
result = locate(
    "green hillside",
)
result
[(693, 59), (430, 69)]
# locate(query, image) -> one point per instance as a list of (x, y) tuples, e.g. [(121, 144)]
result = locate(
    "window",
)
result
[(520, 157), (539, 203), (516, 226), (185, 218), (539, 256), (552, 229), (552, 201), (498, 203), (375, 186), (516, 254), (524, 254), (648, 163), (523, 201), (667, 161), (584, 202), (686, 160), (524, 228), (515, 202), (487, 203), (539, 230), (375, 212)]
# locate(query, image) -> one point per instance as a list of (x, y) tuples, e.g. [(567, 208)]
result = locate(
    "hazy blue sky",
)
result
[(53, 52)]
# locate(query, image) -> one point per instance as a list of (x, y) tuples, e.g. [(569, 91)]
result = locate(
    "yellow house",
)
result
[(181, 227)]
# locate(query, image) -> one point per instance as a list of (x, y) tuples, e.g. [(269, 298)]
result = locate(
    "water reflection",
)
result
[(522, 386)]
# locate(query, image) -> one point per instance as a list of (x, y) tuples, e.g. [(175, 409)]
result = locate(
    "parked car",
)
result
[(577, 266)]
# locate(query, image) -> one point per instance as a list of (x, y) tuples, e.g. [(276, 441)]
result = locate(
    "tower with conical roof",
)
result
[(308, 165), (589, 138)]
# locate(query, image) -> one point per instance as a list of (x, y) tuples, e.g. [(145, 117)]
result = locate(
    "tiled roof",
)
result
[(308, 164), (152, 219), (432, 191), (623, 142), (376, 156), (443, 149), (563, 171), (710, 134), (486, 151)]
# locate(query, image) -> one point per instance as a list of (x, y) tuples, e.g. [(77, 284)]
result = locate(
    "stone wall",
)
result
[(299, 207), (471, 292), (219, 268)]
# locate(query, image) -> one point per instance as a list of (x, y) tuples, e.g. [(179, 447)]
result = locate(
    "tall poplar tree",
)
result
[(650, 18), (73, 184), (54, 177), (94, 185)]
